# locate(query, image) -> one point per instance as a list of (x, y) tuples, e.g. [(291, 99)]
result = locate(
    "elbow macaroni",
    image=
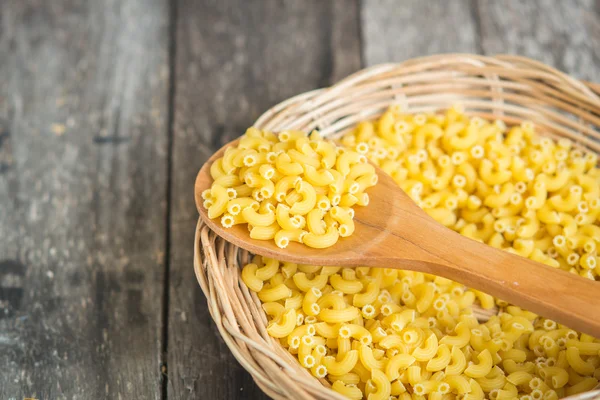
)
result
[(377, 333), (289, 188)]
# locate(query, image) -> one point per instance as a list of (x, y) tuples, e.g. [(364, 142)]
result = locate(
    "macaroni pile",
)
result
[(380, 333), (509, 188), (289, 187)]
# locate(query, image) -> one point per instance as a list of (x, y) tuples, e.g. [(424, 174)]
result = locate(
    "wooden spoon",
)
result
[(393, 232)]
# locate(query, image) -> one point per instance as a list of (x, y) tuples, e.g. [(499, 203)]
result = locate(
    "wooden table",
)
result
[(107, 110)]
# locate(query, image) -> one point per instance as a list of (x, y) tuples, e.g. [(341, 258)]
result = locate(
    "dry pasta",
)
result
[(377, 333), (289, 188)]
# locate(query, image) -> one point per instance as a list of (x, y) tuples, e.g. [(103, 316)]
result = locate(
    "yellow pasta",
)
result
[(343, 366), (482, 368), (427, 350), (344, 285), (357, 332), (338, 316), (275, 293), (366, 329), (284, 327), (348, 390), (579, 365), (440, 360), (368, 359), (281, 184), (382, 385), (328, 239)]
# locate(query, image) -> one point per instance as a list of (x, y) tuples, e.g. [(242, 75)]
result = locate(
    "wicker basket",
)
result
[(509, 88)]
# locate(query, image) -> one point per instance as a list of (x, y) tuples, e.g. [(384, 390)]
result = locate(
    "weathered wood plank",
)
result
[(394, 31), (83, 104), (564, 34), (235, 59)]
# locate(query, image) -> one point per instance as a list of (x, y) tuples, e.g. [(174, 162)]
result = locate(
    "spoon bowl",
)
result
[(393, 232)]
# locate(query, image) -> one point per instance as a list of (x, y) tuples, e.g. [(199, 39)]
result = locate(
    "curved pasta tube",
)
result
[(367, 358), (368, 296), (465, 138), (255, 218), (357, 332), (502, 198), (235, 206), (397, 363), (458, 362), (284, 186), (329, 238), (216, 169), (382, 385), (414, 375), (305, 284), (220, 199), (309, 198), (285, 326), (245, 158), (286, 166), (227, 160), (492, 176), (458, 383), (269, 270), (303, 159), (250, 141), (339, 316), (284, 237), (569, 202), (282, 215), (360, 170), (315, 223), (345, 286), (327, 151), (577, 363), (343, 217), (559, 377), (264, 232), (590, 186), (274, 310), (427, 350), (250, 279), (350, 391), (322, 177), (346, 159), (586, 384), (488, 384), (309, 302), (343, 366), (400, 320), (426, 134), (554, 183), (441, 360), (462, 337), (278, 292), (483, 367)]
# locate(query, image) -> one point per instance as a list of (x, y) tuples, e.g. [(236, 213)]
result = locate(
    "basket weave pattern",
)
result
[(509, 88)]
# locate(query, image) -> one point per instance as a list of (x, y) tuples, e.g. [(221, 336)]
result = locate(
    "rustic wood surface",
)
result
[(107, 110)]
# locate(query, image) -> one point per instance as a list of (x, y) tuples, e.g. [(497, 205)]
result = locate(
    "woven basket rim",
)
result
[(364, 95)]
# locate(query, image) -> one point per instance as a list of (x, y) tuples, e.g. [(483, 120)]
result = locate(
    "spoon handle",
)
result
[(556, 294)]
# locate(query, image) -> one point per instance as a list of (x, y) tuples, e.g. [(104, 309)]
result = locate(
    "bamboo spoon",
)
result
[(393, 232)]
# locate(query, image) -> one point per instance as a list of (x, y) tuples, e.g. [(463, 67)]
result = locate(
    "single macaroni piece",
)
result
[(378, 333), (289, 188)]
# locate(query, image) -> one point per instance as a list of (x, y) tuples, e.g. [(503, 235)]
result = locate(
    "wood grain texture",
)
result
[(234, 60), (563, 34), (395, 31), (83, 97)]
